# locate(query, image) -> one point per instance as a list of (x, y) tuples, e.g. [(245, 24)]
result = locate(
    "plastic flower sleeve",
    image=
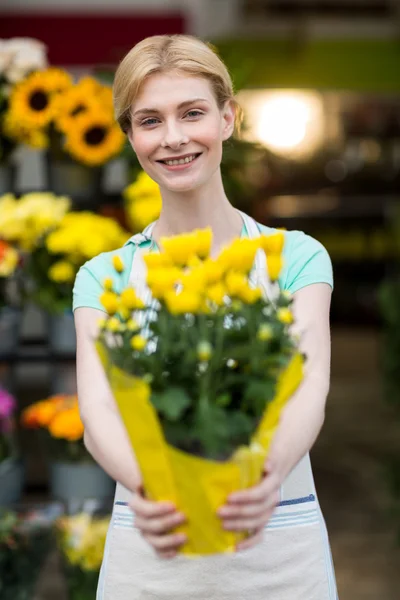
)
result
[(197, 486)]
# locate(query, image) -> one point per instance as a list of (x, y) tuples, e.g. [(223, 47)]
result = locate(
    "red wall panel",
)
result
[(75, 39)]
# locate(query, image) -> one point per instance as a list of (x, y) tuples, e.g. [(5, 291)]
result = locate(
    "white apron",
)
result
[(293, 562)]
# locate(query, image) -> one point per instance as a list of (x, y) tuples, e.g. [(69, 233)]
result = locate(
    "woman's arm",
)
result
[(107, 441), (105, 436), (301, 420)]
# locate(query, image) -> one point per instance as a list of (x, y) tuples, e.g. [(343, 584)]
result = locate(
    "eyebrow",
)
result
[(148, 111)]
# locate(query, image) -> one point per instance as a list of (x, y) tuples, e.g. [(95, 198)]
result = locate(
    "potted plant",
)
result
[(74, 476), (9, 309), (18, 58), (25, 540), (11, 466), (76, 123), (81, 540)]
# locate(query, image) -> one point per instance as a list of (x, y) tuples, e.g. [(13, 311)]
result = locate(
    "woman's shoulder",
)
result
[(306, 261)]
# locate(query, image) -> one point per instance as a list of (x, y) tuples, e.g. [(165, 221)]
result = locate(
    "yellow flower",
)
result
[(265, 332), (108, 284), (124, 313), (204, 351), (110, 302), (285, 315), (67, 425), (275, 264), (78, 99), (138, 342), (249, 295), (239, 255), (94, 138), (117, 263), (273, 244), (62, 272), (32, 100), (213, 270), (216, 293), (132, 325), (129, 299), (204, 241), (180, 248), (8, 259), (184, 302), (235, 283), (143, 202), (161, 280), (114, 325), (155, 260), (101, 323), (194, 280)]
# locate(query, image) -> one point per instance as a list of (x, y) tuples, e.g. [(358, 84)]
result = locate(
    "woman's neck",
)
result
[(205, 207)]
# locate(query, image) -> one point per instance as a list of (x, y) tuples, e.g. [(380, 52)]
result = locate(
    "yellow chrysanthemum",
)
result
[(249, 295), (118, 263), (235, 283), (155, 260), (285, 315), (162, 280), (239, 255), (138, 342), (110, 301), (183, 302), (108, 284), (9, 259), (94, 139), (32, 100), (143, 211), (114, 325), (273, 244), (217, 293), (129, 299), (62, 272), (275, 264)]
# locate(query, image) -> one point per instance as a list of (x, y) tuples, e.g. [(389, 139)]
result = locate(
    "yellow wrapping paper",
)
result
[(198, 487)]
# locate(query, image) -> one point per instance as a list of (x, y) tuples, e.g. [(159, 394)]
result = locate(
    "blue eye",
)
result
[(194, 113), (150, 121)]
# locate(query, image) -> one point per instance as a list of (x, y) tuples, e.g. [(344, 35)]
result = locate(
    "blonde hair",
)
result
[(170, 53)]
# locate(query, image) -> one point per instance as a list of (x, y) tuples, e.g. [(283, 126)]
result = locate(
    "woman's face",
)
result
[(178, 129)]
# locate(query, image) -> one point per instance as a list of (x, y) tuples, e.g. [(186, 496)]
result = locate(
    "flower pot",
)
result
[(81, 183), (12, 475), (62, 338), (76, 482), (10, 321), (8, 174)]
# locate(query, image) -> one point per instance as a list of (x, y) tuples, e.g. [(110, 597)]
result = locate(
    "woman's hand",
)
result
[(251, 509), (156, 521)]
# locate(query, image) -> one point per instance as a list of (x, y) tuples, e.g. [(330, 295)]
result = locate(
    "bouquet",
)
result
[(9, 263), (7, 425), (58, 418), (200, 374), (19, 57), (81, 540), (72, 120)]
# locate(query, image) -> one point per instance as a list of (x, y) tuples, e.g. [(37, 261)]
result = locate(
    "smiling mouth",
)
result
[(184, 160)]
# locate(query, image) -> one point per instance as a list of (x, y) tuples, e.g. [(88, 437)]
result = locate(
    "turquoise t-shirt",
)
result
[(305, 262)]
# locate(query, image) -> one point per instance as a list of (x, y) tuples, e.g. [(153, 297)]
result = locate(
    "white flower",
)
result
[(21, 56)]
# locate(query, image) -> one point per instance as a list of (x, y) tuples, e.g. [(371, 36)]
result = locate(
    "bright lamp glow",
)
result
[(286, 122)]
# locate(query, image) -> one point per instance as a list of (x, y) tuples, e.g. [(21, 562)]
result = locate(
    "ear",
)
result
[(228, 117)]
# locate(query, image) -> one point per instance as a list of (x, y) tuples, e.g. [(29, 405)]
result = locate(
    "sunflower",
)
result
[(15, 130), (32, 101), (70, 104), (94, 138)]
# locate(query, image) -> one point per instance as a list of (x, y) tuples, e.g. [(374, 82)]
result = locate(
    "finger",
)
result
[(159, 525), (234, 511), (251, 541), (166, 543), (255, 494), (168, 554), (148, 509), (248, 524)]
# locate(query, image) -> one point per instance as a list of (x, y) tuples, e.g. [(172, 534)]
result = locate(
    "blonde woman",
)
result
[(174, 101)]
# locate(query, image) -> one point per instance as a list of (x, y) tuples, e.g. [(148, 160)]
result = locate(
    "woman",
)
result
[(174, 100)]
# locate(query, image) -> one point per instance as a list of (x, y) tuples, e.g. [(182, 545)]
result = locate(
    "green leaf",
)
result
[(171, 403)]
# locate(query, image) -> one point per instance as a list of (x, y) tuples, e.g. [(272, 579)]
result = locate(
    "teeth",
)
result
[(181, 161)]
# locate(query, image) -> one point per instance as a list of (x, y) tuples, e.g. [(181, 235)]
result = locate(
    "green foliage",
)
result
[(23, 548), (209, 407)]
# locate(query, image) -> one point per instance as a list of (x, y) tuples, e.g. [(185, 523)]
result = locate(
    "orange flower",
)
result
[(42, 413), (67, 425)]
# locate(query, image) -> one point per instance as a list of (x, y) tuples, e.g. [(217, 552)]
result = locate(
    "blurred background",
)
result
[(319, 81)]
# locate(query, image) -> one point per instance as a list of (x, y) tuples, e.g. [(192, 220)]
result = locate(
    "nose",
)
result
[(174, 136)]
